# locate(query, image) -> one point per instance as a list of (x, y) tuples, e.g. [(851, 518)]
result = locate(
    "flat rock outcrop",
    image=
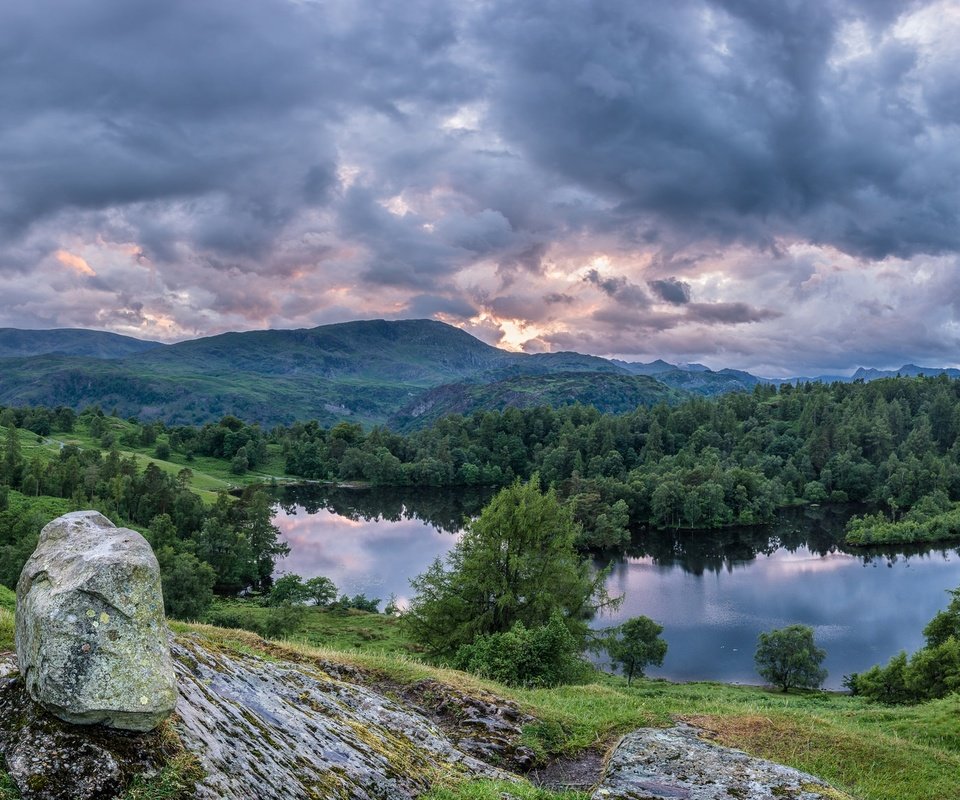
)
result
[(258, 727), (675, 764), (276, 730), (90, 632)]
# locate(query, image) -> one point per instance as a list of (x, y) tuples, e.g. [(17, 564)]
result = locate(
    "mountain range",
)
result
[(404, 373)]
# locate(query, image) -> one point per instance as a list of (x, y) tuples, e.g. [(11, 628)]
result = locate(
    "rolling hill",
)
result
[(364, 371), (17, 343), (407, 372)]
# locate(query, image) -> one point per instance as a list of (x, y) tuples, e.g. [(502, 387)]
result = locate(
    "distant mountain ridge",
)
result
[(368, 371), (21, 343)]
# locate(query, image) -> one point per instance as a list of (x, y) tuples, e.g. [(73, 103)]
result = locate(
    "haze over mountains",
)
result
[(404, 373)]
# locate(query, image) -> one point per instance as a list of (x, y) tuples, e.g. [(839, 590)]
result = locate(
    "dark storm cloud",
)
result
[(226, 107), (729, 119), (671, 290)]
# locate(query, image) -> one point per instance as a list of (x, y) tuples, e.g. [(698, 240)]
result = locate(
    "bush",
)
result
[(187, 584), (788, 658), (321, 590), (288, 590), (521, 551), (360, 602), (273, 623), (546, 655)]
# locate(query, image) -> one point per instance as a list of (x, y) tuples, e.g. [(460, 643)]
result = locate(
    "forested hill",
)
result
[(369, 372), (608, 392), (358, 371)]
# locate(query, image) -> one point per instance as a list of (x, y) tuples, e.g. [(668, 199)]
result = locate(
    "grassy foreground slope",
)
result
[(870, 751)]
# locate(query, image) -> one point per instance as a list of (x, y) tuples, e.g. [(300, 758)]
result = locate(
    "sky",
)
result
[(763, 184)]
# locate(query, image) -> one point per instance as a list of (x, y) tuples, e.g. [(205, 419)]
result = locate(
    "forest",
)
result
[(702, 463)]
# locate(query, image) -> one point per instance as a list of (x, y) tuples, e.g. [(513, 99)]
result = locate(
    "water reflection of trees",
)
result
[(445, 509), (819, 530)]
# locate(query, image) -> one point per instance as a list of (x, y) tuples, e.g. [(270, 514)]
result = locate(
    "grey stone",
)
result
[(90, 632), (276, 730), (675, 764), (48, 759)]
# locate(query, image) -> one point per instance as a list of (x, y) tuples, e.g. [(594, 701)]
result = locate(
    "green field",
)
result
[(335, 629), (209, 475)]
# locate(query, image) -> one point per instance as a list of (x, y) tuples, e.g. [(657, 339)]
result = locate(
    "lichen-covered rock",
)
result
[(276, 730), (90, 632), (667, 764)]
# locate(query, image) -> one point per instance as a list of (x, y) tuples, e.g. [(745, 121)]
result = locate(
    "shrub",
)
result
[(545, 655), (635, 645)]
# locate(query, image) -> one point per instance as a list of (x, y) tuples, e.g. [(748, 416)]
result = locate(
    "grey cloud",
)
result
[(671, 290), (427, 305), (760, 139), (618, 288), (728, 313)]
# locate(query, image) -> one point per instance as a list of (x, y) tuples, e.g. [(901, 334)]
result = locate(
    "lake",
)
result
[(713, 591)]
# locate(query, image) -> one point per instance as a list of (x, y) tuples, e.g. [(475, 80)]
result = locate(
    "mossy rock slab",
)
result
[(277, 730)]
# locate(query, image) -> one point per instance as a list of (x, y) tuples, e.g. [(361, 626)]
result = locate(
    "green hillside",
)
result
[(17, 343), (607, 392)]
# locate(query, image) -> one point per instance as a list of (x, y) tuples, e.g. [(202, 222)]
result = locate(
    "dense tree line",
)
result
[(701, 464), (705, 463)]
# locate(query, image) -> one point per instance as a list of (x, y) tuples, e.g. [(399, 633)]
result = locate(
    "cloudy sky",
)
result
[(766, 184)]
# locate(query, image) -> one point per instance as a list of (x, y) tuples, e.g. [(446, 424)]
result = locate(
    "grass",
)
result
[(8, 601), (334, 629), (497, 790), (6, 629), (178, 777), (7, 790)]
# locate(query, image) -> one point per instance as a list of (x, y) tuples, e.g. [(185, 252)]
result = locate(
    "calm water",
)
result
[(713, 592)]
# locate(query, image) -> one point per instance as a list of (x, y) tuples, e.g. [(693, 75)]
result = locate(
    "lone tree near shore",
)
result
[(788, 658), (517, 562), (635, 645)]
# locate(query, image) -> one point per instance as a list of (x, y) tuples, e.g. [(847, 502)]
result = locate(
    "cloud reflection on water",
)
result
[(863, 612), (374, 557)]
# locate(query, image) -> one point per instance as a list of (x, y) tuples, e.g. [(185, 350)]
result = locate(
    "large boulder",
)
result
[(90, 632)]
